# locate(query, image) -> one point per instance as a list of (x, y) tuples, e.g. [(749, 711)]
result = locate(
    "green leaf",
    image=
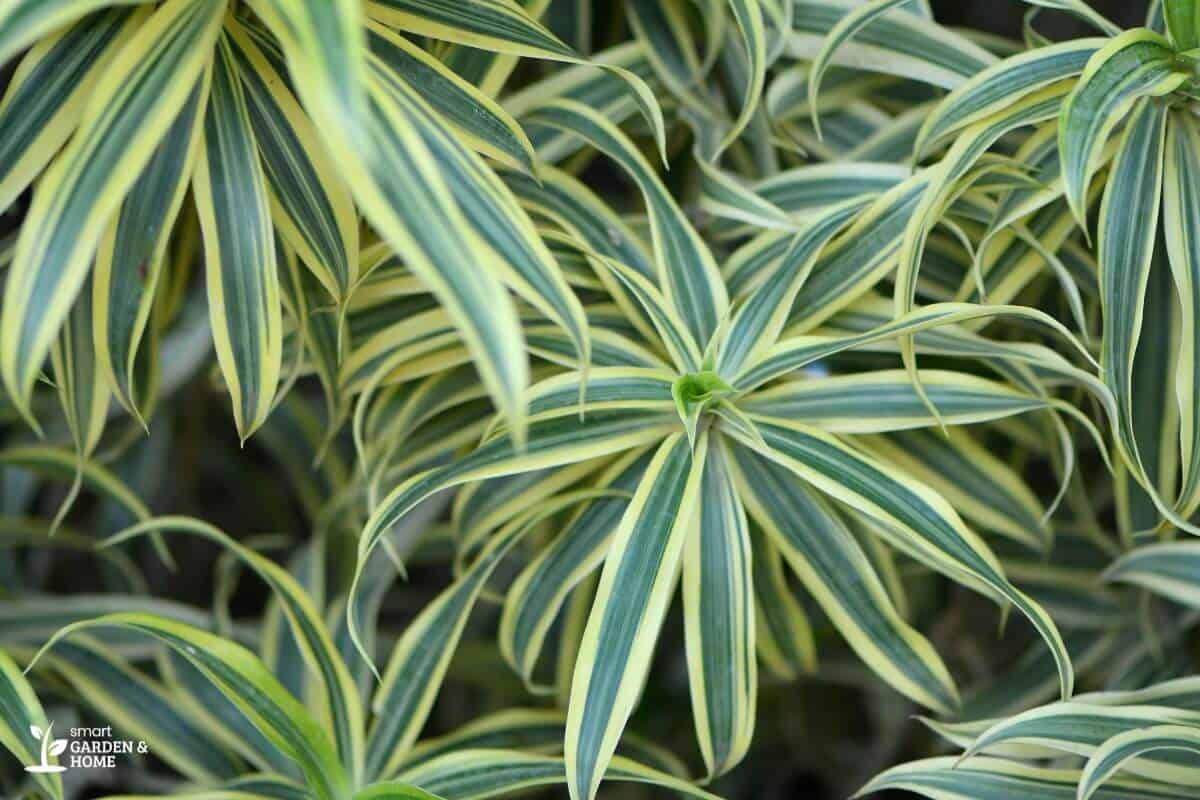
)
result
[(133, 252), (311, 204), (129, 110), (1138, 63), (247, 682), (825, 556), (719, 624), (339, 704), (239, 248), (480, 774), (19, 712), (686, 270), (1168, 569), (49, 90), (1120, 749), (916, 519), (635, 586)]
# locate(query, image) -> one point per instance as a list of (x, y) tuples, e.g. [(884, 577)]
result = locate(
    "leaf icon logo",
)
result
[(50, 747)]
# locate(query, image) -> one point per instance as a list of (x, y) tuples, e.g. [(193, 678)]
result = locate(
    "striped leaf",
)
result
[(20, 713), (1082, 729), (885, 400), (636, 583), (239, 248), (520, 258), (842, 32), (502, 26), (897, 44), (246, 681), (1168, 569), (1128, 227), (537, 595), (1002, 85), (1138, 63), (485, 125), (49, 90), (1181, 215), (687, 272), (141, 708), (129, 110), (825, 556), (339, 702), (1181, 17), (560, 438), (133, 252), (310, 203), (719, 622), (945, 779), (22, 22), (420, 659), (1122, 748), (479, 774), (918, 521), (407, 199), (325, 45)]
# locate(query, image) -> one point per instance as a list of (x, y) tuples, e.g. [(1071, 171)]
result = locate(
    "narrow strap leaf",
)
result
[(20, 714), (247, 682), (719, 624), (1138, 63), (130, 109), (1123, 747), (133, 251), (824, 555), (636, 583), (686, 270), (49, 90), (240, 269)]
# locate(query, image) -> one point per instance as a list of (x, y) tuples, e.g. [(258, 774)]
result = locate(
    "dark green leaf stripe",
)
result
[(1137, 63), (1170, 569), (1128, 227), (340, 699), (1004, 84), (719, 624), (686, 270), (1120, 749), (247, 682), (48, 92), (555, 441), (539, 592), (242, 277), (22, 22), (473, 114), (898, 43), (493, 212), (1000, 779), (418, 663), (409, 203), (133, 251), (325, 45), (1181, 230), (887, 397), (480, 774), (314, 212), (824, 554), (631, 600), (141, 708), (19, 710), (129, 110), (929, 528)]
